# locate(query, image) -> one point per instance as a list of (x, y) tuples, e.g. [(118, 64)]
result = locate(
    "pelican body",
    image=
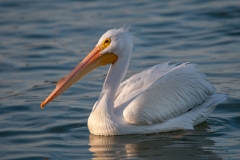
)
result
[(160, 99)]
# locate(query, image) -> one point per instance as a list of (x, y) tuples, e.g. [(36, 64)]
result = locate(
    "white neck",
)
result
[(102, 116), (114, 77)]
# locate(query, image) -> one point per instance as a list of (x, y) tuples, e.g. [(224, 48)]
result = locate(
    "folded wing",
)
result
[(136, 84), (175, 91)]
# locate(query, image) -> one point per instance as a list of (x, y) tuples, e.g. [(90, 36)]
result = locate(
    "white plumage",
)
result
[(160, 99), (174, 93)]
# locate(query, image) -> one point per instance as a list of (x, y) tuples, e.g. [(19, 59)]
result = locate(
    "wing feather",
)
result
[(174, 93), (140, 82)]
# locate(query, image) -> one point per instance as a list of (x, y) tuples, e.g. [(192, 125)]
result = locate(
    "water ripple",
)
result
[(41, 41)]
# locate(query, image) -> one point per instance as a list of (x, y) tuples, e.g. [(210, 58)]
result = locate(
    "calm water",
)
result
[(41, 41)]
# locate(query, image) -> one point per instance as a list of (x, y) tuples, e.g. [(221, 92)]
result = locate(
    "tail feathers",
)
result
[(218, 98), (203, 111)]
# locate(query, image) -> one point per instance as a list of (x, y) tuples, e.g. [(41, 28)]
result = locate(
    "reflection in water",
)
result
[(173, 145)]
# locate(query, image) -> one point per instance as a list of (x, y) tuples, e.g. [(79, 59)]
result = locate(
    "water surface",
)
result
[(41, 41)]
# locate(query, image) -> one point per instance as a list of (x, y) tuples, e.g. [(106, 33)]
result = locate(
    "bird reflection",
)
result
[(173, 145)]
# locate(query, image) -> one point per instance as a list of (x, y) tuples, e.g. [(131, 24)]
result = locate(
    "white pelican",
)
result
[(160, 99)]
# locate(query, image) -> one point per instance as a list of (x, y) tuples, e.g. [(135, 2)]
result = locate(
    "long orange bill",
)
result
[(93, 60)]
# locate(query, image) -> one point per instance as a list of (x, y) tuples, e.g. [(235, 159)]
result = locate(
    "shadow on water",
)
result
[(173, 145)]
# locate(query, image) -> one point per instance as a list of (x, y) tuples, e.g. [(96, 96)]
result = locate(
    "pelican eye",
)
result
[(106, 41), (105, 44)]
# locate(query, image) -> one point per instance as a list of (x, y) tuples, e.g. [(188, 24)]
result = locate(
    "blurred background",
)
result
[(41, 41)]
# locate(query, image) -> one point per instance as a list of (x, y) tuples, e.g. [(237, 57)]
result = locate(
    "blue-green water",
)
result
[(41, 41)]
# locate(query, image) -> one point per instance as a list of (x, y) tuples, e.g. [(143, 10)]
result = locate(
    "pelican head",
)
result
[(114, 45), (117, 41)]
